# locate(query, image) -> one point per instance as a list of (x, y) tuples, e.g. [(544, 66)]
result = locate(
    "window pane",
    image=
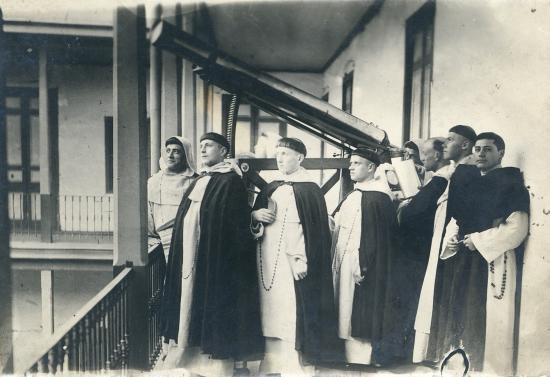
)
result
[(33, 103), (242, 138), (12, 102), (415, 103), (14, 139), (244, 110)]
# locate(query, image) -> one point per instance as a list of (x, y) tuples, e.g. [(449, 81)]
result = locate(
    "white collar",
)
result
[(300, 175)]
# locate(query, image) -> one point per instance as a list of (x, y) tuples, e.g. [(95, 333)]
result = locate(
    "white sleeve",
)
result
[(494, 242), (296, 246), (450, 231)]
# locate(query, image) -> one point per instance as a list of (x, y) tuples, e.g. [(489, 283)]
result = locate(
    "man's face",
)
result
[(360, 169), (288, 160), (430, 157), (212, 153), (486, 154), (410, 154), (453, 146), (174, 158)]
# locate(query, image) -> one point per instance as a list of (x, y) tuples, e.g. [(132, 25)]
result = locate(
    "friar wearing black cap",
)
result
[(210, 305), (364, 249), (290, 222)]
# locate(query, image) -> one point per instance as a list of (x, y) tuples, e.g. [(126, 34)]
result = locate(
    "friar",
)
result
[(210, 304), (474, 302), (457, 149), (364, 250), (290, 221), (165, 189)]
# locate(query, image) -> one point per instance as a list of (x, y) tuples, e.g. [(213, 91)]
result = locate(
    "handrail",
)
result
[(60, 334)]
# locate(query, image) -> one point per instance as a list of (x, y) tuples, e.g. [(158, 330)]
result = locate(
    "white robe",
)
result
[(493, 244), (279, 242), (179, 355), (346, 241), (425, 303)]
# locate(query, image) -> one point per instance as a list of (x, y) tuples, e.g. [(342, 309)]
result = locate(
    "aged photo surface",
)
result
[(293, 188)]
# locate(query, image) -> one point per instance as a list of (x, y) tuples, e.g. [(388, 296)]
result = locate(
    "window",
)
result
[(347, 92), (108, 154), (251, 124), (418, 72)]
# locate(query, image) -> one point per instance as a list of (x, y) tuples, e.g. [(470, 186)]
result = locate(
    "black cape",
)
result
[(376, 301), (416, 222), (316, 331), (459, 314), (225, 312)]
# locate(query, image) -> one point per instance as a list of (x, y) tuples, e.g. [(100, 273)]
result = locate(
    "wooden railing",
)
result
[(156, 270), (102, 335)]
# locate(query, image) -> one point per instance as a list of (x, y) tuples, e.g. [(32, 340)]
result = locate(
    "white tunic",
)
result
[(179, 355), (346, 269), (279, 243)]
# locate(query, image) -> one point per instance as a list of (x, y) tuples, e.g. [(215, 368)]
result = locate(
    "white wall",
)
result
[(491, 71), (85, 98), (378, 55)]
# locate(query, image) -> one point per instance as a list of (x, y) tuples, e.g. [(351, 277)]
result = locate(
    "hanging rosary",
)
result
[(278, 253), (503, 282), (195, 247)]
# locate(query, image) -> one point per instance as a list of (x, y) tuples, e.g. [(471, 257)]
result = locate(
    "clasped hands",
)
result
[(454, 243)]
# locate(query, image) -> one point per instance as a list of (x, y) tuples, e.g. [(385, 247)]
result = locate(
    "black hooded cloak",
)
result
[(225, 313), (475, 202), (316, 331), (376, 301)]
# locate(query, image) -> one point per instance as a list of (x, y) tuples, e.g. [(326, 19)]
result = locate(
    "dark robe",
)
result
[(376, 304), (316, 331), (225, 313), (460, 298), (415, 230)]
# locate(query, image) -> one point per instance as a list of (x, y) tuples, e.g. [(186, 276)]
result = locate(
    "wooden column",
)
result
[(6, 327), (46, 289), (155, 71), (47, 211), (130, 139), (169, 100), (188, 94), (130, 170)]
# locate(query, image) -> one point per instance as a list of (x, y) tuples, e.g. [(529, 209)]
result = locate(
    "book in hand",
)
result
[(402, 178)]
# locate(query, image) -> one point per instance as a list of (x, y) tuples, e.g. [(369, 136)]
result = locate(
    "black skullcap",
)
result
[(173, 140), (217, 138), (368, 154), (466, 131), (293, 143)]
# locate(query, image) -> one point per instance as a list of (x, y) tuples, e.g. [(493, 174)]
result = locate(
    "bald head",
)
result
[(432, 153)]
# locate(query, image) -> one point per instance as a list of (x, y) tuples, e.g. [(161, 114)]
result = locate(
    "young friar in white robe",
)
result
[(500, 198), (285, 272), (166, 188), (346, 248), (458, 150)]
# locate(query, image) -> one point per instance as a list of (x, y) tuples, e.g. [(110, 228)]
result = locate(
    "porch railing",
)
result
[(101, 336), (74, 217)]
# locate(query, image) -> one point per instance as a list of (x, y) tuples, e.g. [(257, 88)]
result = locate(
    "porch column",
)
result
[(130, 171), (155, 99), (47, 212), (46, 289), (130, 139), (6, 327), (188, 93), (169, 97)]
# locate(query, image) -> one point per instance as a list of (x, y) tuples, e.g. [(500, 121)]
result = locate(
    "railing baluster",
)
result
[(52, 360)]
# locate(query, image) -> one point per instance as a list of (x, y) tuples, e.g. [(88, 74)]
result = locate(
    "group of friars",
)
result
[(377, 282)]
